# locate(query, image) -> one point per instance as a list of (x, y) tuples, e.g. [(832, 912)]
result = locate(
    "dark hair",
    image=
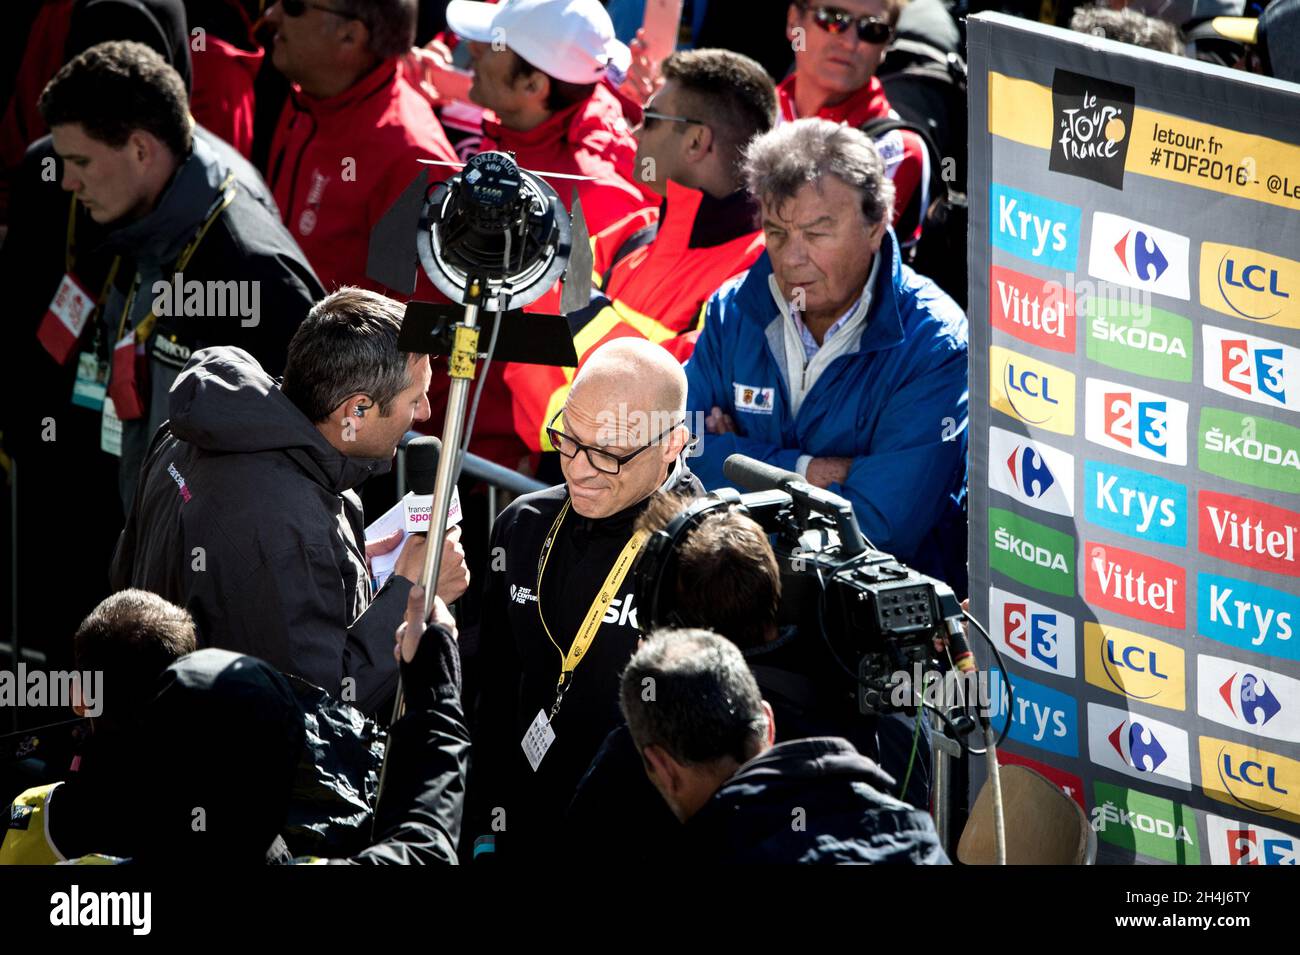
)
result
[(346, 345), (1128, 26), (562, 94), (727, 576), (131, 638), (691, 693), (732, 92), (117, 88), (391, 24)]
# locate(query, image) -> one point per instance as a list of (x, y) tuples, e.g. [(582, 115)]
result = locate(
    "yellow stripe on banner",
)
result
[(1163, 146)]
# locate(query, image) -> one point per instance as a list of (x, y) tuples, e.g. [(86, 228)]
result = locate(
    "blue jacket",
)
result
[(896, 405)]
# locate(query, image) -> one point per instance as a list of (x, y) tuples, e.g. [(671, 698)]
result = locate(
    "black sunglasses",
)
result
[(296, 8), (836, 21), (600, 460)]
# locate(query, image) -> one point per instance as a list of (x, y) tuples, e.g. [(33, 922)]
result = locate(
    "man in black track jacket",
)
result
[(550, 650)]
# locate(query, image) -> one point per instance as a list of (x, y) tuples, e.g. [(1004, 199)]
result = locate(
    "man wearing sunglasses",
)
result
[(558, 619), (837, 48), (353, 129)]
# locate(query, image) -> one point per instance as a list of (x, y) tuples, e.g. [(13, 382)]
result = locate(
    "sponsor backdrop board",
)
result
[(1135, 482)]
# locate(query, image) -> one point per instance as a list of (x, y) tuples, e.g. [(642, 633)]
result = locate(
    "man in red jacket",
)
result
[(836, 51), (352, 132)]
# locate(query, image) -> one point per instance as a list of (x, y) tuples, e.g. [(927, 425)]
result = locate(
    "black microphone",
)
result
[(421, 468), (754, 475)]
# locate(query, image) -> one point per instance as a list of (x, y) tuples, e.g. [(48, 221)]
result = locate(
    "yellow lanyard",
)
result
[(70, 260), (143, 330), (595, 613)]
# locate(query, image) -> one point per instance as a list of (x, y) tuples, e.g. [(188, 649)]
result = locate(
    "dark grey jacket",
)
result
[(246, 516)]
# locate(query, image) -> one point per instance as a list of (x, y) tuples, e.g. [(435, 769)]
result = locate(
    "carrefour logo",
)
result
[(1251, 368), (1138, 746), (1249, 449), (1041, 716), (1132, 421), (1034, 228), (1142, 340), (1031, 391), (1135, 585), (1134, 666), (1032, 633), (1035, 311), (1248, 698), (1247, 615), (1138, 255), (1251, 285), (1135, 504), (1248, 532), (1246, 776), (1027, 551), (1241, 843), (1031, 472)]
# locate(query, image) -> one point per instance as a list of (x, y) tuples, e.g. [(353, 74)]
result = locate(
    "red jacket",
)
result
[(223, 90), (907, 161), (653, 272), (336, 166)]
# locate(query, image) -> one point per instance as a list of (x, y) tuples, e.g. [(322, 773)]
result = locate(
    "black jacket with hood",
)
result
[(246, 516)]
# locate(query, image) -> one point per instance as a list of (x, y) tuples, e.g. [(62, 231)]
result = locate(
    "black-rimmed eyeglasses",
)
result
[(600, 459)]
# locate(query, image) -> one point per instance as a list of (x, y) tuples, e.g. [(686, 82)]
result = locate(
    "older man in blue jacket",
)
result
[(832, 358)]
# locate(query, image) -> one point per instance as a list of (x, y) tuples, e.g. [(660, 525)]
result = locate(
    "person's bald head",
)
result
[(628, 395)]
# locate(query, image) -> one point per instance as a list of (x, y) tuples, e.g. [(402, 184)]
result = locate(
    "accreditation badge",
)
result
[(125, 382), (110, 430), (91, 386), (66, 318)]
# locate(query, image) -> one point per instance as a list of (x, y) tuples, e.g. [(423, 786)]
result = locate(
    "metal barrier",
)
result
[(496, 477)]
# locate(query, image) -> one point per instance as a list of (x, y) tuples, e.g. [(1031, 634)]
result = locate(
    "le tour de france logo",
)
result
[(1093, 120)]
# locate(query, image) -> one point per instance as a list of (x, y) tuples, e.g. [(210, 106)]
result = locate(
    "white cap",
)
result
[(571, 40)]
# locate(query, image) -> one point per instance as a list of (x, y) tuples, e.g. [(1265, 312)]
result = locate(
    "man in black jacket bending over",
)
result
[(246, 513)]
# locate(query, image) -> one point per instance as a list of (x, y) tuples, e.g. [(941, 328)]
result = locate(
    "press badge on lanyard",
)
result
[(66, 318)]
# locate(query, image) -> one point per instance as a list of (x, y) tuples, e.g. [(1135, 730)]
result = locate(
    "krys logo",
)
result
[(1134, 666), (1031, 391), (1141, 423), (1141, 822), (1093, 121), (1249, 284), (1254, 369), (1239, 843), (1250, 450), (1041, 716), (1248, 532), (1031, 553), (1251, 778), (1247, 615), (1031, 472), (1034, 228), (1035, 311), (1138, 746), (1247, 697), (1140, 256), (1136, 504), (1135, 585), (1144, 341), (1036, 635)]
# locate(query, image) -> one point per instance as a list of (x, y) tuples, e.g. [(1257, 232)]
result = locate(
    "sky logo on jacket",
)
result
[(1251, 778), (1242, 843), (1149, 825), (1251, 285), (1135, 504), (1132, 421), (1139, 339), (1034, 228), (1041, 717), (1036, 311), (1138, 255), (1249, 449), (1248, 698), (1134, 666), (1031, 391), (1031, 472), (1251, 368), (1135, 585), (1247, 615), (1138, 746), (1034, 634), (1031, 553), (1250, 533)]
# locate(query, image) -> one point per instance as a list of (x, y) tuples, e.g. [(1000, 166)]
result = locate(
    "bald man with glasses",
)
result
[(558, 621)]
